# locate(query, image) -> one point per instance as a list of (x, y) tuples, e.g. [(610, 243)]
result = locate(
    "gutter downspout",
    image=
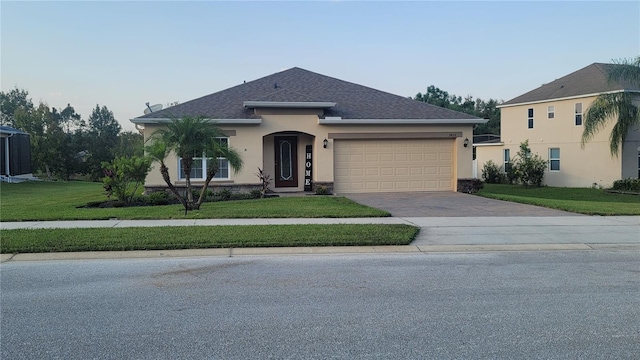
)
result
[(6, 156)]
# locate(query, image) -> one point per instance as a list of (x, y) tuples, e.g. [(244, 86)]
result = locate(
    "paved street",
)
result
[(571, 304)]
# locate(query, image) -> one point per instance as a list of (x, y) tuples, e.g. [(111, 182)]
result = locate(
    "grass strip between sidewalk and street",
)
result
[(201, 237), (577, 200)]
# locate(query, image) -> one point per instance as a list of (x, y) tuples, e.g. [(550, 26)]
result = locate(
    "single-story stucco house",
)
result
[(15, 155), (308, 130), (551, 117)]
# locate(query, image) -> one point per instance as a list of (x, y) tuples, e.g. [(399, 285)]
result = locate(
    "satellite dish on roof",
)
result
[(152, 108)]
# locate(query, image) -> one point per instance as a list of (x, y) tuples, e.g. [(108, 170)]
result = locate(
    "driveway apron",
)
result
[(448, 204)]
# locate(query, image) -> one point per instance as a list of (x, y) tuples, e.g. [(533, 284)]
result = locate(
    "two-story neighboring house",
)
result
[(551, 117)]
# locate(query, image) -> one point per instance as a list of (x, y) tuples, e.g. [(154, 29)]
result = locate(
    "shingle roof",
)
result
[(588, 80), (298, 85)]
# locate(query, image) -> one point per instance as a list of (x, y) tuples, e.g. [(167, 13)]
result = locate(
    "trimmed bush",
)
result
[(469, 186), (627, 185), (492, 173)]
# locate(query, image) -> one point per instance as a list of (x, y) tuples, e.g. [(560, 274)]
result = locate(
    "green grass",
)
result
[(31, 201), (199, 237), (577, 200)]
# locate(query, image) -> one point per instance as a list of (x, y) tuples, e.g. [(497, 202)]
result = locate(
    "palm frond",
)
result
[(616, 107), (626, 71)]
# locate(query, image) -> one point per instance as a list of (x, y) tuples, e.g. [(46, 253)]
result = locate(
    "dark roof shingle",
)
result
[(298, 85), (588, 80)]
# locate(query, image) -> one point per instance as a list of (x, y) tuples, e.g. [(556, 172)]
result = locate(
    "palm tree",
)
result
[(191, 137), (618, 106)]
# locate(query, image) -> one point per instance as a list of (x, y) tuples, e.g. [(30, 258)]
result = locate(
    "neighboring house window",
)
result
[(530, 119), (554, 159), (551, 111), (507, 160), (201, 164), (578, 114)]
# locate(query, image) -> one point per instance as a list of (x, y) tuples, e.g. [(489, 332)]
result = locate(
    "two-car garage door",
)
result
[(393, 165)]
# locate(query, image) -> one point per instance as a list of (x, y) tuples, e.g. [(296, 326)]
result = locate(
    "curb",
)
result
[(337, 250)]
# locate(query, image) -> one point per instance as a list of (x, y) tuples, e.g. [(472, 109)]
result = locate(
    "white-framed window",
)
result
[(507, 160), (551, 112), (554, 159), (578, 114), (530, 118), (201, 163)]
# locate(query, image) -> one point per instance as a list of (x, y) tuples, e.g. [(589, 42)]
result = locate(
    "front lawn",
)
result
[(199, 237), (577, 200), (33, 201)]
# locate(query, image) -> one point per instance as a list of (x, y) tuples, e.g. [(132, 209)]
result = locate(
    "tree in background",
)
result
[(188, 138), (479, 108), (12, 101), (102, 133), (63, 144), (617, 107), (74, 145), (129, 144)]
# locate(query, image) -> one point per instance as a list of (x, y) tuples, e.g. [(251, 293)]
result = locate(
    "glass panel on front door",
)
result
[(286, 170), (286, 158)]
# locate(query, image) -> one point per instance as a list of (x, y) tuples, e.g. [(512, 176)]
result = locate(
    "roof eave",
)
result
[(213, 121), (564, 98), (401, 121), (289, 104)]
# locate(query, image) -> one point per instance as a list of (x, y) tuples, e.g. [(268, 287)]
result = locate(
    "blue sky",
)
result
[(123, 54)]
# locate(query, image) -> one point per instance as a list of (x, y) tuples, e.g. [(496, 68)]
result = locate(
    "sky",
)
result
[(122, 54)]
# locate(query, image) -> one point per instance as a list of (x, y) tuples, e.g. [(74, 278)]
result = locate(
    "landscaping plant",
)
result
[(190, 137), (528, 168), (124, 175), (492, 173)]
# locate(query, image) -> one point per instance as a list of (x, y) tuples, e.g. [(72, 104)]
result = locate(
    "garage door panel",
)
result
[(372, 171), (444, 170), (393, 165), (401, 157), (372, 158), (386, 171)]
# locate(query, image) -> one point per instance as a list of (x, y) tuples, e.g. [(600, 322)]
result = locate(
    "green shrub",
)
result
[(256, 194), (124, 175), (322, 190), (224, 194), (469, 186), (627, 185), (492, 173), (159, 198), (528, 168)]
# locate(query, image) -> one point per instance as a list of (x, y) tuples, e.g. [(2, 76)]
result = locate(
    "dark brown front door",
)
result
[(286, 151)]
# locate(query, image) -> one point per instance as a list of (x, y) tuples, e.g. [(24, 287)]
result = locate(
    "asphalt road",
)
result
[(578, 304)]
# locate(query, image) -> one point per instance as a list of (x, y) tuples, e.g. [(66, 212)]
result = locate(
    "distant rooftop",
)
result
[(586, 81)]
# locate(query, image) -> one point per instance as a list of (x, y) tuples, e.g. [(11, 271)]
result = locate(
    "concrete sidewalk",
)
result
[(437, 234)]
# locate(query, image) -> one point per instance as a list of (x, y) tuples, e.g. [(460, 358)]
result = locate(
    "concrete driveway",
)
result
[(448, 204)]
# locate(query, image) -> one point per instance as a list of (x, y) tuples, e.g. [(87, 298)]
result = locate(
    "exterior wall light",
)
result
[(325, 143), (466, 142)]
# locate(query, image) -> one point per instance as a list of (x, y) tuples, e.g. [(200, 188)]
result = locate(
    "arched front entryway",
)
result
[(288, 160)]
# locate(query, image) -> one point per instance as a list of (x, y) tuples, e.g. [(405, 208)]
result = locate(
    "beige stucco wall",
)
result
[(488, 152), (579, 167), (256, 145)]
